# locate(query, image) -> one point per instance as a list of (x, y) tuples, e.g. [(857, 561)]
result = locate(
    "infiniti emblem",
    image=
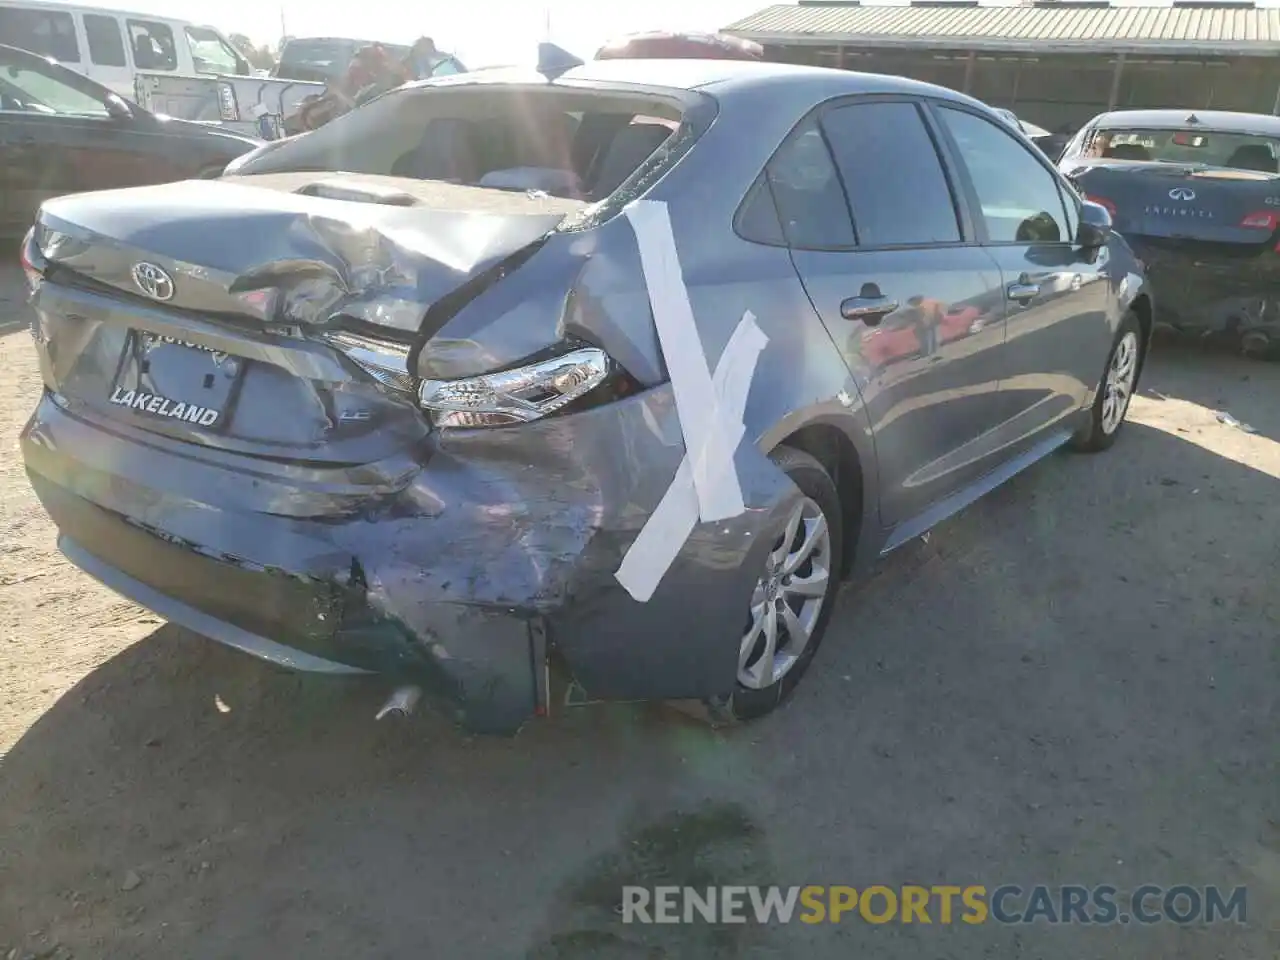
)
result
[(1182, 193), (153, 281)]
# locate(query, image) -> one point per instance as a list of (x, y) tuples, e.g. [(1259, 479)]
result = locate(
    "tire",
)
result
[(1104, 425), (820, 498)]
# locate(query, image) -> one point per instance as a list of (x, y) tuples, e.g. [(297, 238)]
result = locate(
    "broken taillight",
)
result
[(516, 395), (27, 257), (1261, 220)]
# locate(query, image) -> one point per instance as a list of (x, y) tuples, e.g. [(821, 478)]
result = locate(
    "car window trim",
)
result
[(974, 199)]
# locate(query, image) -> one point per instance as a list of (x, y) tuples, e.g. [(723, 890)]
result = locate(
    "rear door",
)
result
[(888, 260), (1055, 293)]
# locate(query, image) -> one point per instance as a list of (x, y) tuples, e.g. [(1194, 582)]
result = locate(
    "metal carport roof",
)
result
[(1064, 27)]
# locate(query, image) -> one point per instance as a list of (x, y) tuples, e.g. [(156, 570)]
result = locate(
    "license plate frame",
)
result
[(172, 380)]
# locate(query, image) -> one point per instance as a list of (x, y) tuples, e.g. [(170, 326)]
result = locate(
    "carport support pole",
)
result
[(1115, 83), (1275, 107), (968, 70)]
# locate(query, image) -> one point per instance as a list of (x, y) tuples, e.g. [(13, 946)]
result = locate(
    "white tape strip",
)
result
[(705, 439), (669, 526)]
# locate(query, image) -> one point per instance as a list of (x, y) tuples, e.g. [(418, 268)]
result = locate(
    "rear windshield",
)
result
[(1239, 151), (324, 59), (315, 59), (571, 143)]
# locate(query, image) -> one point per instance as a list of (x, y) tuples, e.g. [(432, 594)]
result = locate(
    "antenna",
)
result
[(554, 62)]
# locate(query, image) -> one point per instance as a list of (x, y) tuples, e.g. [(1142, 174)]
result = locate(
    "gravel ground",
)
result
[(1074, 682)]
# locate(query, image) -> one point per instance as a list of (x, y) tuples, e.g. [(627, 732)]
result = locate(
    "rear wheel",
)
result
[(1115, 389), (791, 603)]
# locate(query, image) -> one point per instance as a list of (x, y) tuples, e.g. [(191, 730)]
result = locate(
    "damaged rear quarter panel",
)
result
[(576, 490)]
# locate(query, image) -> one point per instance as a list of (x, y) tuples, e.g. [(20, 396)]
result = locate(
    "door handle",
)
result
[(870, 306), (1022, 291)]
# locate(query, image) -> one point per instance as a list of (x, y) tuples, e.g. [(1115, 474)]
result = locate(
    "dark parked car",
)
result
[(1197, 195), (611, 376), (61, 132)]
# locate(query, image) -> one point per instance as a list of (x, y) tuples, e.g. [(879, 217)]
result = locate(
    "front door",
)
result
[(915, 308), (1056, 293)]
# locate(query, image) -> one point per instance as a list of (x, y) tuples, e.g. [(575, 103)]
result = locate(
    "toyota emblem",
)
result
[(1182, 193), (154, 281)]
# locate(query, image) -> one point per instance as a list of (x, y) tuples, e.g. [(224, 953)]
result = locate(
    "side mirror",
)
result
[(1095, 225), (117, 109)]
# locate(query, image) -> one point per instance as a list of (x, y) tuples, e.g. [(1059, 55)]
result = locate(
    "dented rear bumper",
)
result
[(461, 566), (1203, 291)]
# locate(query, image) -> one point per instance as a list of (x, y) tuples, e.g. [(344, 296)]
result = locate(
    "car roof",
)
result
[(718, 77), (92, 8), (1224, 121)]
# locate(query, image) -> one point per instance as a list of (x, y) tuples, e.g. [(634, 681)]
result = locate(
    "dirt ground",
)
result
[(1073, 682)]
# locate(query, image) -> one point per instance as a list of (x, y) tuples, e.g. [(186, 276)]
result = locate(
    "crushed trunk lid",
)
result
[(270, 315)]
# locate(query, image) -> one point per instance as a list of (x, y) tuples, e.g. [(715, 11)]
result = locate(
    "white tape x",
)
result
[(710, 408)]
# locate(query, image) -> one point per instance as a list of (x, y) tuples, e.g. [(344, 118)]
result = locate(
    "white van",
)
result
[(112, 46)]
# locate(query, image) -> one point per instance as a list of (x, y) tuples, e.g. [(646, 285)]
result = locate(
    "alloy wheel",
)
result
[(788, 599), (1118, 384)]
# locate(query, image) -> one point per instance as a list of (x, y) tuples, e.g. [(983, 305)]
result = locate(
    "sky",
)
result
[(480, 32)]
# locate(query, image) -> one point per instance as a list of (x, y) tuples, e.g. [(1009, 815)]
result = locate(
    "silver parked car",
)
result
[(610, 374)]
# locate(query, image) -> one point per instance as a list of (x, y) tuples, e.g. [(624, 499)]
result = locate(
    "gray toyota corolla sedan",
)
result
[(608, 375)]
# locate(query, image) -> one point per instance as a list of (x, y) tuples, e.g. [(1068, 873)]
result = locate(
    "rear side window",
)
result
[(153, 47), (757, 218), (892, 173), (49, 33), (106, 46), (806, 188), (1019, 197)]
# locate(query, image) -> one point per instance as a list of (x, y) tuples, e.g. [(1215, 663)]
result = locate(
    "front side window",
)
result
[(1019, 197), (806, 188), (106, 46), (210, 53), (153, 46), (892, 173), (49, 33), (32, 91)]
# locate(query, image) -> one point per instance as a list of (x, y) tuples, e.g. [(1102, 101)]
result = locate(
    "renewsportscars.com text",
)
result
[(942, 904)]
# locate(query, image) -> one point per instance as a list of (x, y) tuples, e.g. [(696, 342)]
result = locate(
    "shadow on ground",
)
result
[(13, 292), (1073, 682), (1213, 377)]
